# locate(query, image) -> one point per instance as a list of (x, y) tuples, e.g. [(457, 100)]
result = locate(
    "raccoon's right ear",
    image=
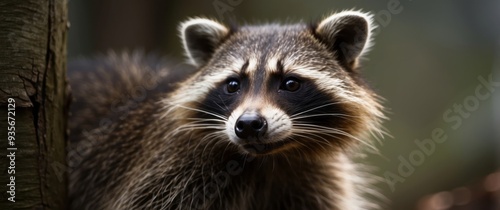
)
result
[(200, 38)]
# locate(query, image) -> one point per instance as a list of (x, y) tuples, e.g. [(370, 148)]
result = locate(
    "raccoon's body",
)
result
[(269, 119)]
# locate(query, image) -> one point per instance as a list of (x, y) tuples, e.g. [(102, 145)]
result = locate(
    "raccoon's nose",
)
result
[(250, 126)]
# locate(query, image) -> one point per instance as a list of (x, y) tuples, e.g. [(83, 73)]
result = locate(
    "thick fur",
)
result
[(175, 148)]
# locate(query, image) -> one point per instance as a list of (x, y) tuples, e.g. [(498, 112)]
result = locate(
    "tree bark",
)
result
[(32, 76)]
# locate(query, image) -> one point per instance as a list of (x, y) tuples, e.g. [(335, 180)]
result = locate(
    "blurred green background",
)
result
[(426, 62)]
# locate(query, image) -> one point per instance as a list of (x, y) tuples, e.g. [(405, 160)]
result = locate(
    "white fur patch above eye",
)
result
[(252, 66), (272, 64)]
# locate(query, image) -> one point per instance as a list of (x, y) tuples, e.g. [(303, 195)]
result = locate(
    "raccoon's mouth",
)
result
[(266, 148)]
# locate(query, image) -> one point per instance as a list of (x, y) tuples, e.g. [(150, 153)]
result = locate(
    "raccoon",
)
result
[(270, 117)]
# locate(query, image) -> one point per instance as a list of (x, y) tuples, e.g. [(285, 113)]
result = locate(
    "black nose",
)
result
[(250, 126)]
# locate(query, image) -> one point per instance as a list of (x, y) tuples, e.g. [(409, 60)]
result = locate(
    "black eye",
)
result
[(291, 84), (232, 86)]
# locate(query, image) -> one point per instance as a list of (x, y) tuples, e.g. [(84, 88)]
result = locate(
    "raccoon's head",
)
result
[(274, 88)]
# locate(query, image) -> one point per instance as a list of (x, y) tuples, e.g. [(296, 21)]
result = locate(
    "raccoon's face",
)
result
[(281, 88)]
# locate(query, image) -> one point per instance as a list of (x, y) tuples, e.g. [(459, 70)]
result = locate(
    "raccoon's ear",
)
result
[(200, 38), (348, 34)]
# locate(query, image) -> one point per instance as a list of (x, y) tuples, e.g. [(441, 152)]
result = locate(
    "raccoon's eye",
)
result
[(291, 84), (232, 86)]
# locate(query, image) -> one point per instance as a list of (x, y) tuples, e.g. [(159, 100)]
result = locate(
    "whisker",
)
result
[(196, 127), (343, 116), (209, 136), (227, 108), (206, 119), (202, 111), (312, 109), (309, 135), (331, 132)]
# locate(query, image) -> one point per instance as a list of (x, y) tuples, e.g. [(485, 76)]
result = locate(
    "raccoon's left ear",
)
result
[(348, 34), (200, 38)]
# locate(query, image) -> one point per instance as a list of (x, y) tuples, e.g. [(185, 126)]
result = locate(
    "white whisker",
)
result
[(202, 111), (343, 116), (332, 132), (312, 109)]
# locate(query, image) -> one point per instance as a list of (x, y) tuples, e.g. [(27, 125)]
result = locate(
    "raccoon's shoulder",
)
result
[(110, 85)]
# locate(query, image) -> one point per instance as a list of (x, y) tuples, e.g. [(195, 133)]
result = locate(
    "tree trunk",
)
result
[(33, 104)]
